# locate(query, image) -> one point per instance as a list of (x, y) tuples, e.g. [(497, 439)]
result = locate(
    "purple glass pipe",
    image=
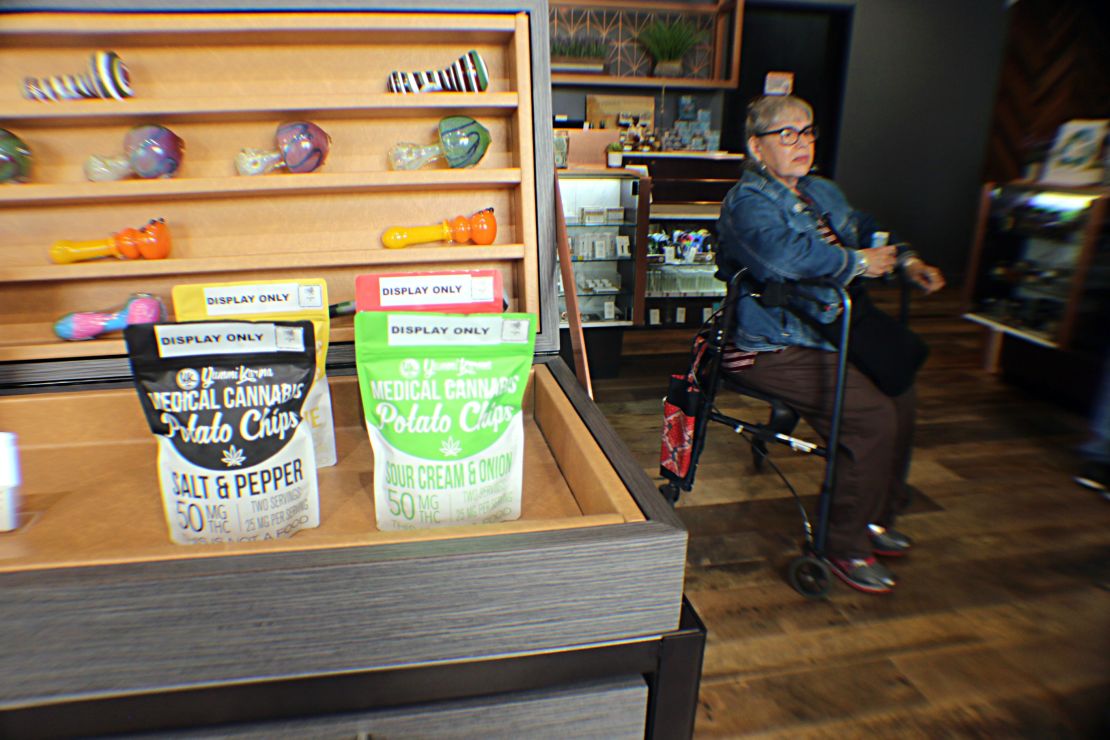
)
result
[(149, 151), (302, 146)]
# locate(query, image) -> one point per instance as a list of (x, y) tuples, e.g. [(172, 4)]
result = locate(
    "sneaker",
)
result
[(1096, 477), (888, 542), (864, 574)]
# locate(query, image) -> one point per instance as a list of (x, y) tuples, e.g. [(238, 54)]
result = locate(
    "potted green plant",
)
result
[(578, 54), (614, 154), (668, 42)]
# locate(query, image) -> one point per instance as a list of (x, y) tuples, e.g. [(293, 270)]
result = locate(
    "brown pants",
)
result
[(876, 439)]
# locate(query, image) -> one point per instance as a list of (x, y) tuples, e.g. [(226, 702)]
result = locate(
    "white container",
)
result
[(9, 482), (593, 215)]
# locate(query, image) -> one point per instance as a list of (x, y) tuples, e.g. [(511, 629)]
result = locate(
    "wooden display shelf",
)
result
[(233, 186), (621, 17), (254, 106), (352, 256), (207, 28), (223, 81), (91, 494), (31, 342), (685, 211), (587, 80)]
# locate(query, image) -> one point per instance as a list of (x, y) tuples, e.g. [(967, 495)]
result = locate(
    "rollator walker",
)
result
[(690, 407)]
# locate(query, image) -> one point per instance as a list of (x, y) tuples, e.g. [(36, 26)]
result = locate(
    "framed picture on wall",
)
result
[(687, 108), (1076, 156)]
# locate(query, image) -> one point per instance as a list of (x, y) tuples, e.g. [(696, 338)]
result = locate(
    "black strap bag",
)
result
[(880, 346)]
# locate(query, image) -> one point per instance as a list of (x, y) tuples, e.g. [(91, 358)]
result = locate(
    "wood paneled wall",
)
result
[(1056, 67)]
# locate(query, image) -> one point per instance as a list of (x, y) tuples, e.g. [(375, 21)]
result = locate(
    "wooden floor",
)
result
[(1000, 625)]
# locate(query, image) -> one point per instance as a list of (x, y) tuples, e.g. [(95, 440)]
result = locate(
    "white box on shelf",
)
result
[(602, 247), (593, 215)]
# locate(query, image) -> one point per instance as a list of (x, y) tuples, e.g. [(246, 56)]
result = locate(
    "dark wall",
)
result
[(917, 109), (1048, 79), (810, 42)]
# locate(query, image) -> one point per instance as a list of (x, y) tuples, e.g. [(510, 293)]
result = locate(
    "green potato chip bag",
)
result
[(442, 395)]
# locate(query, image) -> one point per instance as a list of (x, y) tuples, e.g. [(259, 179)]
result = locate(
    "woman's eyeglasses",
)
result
[(789, 135)]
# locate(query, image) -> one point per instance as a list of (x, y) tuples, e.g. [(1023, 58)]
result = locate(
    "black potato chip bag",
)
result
[(224, 399)]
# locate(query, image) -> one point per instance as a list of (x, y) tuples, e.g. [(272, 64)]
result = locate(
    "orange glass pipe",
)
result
[(481, 228), (151, 242)]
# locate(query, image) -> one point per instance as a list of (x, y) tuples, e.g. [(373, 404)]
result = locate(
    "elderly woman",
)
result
[(779, 224)]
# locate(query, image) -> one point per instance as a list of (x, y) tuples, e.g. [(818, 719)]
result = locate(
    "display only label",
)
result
[(232, 337), (274, 298), (413, 330), (473, 291)]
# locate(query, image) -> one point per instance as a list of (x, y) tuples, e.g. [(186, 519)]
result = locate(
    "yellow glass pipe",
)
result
[(403, 236), (151, 242), (481, 228)]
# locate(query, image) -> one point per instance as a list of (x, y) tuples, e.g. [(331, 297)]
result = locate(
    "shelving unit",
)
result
[(687, 189), (616, 23), (1036, 271), (223, 226), (602, 206), (597, 259)]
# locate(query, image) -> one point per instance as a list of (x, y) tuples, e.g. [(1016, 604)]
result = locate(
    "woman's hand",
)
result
[(926, 277), (880, 260)]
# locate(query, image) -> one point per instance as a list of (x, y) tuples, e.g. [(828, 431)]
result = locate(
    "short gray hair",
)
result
[(767, 110)]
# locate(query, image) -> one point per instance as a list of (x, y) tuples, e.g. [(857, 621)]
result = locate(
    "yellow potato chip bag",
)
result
[(274, 300)]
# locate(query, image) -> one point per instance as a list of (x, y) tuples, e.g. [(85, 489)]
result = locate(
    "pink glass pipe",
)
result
[(140, 308)]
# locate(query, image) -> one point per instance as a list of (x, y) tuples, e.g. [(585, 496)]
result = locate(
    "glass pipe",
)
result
[(140, 308), (15, 158), (151, 242), (481, 228), (107, 78), (148, 151), (467, 74), (462, 142), (302, 146)]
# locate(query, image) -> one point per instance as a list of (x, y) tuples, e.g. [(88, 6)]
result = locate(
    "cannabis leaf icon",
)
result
[(450, 447), (233, 457)]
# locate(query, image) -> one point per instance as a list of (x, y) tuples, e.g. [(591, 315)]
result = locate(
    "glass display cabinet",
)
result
[(601, 209), (687, 190), (682, 294), (1040, 267), (606, 217)]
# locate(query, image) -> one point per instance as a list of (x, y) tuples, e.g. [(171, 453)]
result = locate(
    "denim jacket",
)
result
[(767, 229)]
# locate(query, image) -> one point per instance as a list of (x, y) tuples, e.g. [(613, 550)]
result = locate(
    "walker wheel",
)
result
[(759, 454), (809, 576), (670, 492)]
